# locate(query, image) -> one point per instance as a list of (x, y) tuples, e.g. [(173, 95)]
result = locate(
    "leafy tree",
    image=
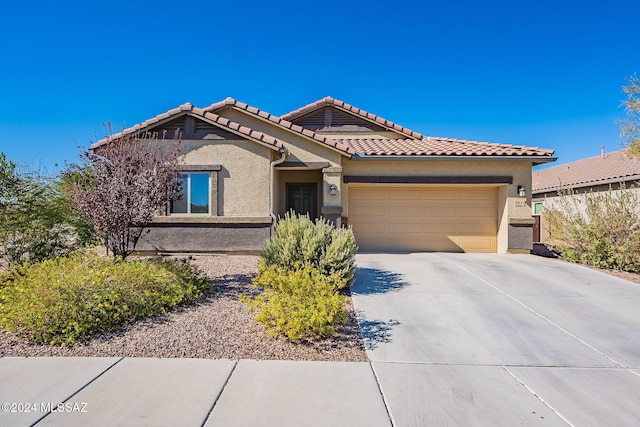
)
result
[(630, 128), (8, 180), (36, 221), (120, 186)]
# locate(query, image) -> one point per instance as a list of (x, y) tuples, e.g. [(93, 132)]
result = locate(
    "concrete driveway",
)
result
[(490, 339)]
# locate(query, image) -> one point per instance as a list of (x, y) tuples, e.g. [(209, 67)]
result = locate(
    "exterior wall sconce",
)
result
[(332, 189), (521, 191)]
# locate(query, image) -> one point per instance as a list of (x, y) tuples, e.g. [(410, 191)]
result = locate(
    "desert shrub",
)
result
[(300, 302), (599, 229), (36, 220), (298, 240), (64, 300)]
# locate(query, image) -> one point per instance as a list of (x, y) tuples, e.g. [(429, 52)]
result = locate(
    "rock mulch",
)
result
[(217, 326)]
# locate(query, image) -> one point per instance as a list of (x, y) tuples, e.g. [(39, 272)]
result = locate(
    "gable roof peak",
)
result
[(336, 103)]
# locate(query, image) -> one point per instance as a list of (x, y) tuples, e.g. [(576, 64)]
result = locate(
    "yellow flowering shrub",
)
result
[(299, 302), (64, 300)]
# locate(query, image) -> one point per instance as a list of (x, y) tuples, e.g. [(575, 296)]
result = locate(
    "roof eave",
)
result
[(535, 160)]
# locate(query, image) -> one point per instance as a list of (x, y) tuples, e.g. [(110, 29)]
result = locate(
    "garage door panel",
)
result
[(403, 211), (423, 218), (439, 211), (440, 244), (477, 244), (368, 194), (444, 227), (434, 194), (403, 227), (373, 228), (476, 212), (484, 230), (404, 194), (476, 194), (363, 212)]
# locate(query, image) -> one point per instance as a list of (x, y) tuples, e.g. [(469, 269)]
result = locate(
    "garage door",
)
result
[(424, 218)]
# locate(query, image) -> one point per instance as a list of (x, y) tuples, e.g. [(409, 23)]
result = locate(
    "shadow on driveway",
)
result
[(373, 281), (375, 332)]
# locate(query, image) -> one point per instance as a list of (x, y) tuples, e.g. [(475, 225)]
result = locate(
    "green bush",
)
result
[(36, 220), (64, 300), (599, 229), (298, 240), (300, 302)]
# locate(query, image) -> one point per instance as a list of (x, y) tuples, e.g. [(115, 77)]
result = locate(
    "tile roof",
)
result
[(329, 101), (610, 166), (416, 145), (230, 102), (432, 146), (189, 109)]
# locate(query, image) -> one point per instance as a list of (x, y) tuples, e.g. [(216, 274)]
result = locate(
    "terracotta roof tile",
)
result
[(230, 102), (432, 146), (197, 112), (415, 145), (610, 166), (350, 108)]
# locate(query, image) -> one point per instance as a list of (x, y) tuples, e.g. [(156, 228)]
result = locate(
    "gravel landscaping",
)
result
[(217, 326)]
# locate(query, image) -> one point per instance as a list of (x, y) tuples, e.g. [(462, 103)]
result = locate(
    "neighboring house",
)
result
[(599, 173), (400, 190)]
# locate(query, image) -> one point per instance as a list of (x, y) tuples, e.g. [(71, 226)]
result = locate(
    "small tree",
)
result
[(36, 221), (120, 186), (630, 128)]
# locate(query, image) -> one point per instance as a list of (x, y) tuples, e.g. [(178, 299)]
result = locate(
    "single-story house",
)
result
[(594, 174), (400, 190)]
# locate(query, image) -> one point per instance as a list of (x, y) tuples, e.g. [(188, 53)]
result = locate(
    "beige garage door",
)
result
[(398, 217)]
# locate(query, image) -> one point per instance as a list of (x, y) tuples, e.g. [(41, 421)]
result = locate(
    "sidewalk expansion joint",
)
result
[(537, 396), (80, 389), (384, 399), (215, 402)]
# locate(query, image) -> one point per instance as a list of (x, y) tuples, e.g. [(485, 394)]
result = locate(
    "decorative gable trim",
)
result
[(341, 105)]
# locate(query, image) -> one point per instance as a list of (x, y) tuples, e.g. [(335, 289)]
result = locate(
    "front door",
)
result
[(303, 199)]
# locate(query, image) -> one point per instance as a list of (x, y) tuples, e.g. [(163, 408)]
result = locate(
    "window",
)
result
[(537, 208), (195, 195)]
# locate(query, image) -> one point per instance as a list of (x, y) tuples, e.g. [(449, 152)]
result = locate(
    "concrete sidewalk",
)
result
[(187, 392), (453, 339)]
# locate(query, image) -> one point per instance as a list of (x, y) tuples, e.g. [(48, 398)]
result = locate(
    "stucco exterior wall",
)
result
[(300, 148), (205, 237), (243, 181)]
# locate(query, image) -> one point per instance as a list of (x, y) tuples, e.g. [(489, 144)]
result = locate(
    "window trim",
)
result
[(188, 174), (535, 205)]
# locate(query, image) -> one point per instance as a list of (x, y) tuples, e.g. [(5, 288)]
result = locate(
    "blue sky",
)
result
[(544, 73)]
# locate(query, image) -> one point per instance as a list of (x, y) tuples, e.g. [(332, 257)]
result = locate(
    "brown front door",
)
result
[(303, 199)]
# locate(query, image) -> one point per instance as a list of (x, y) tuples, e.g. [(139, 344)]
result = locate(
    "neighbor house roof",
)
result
[(432, 146), (601, 169), (329, 101)]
